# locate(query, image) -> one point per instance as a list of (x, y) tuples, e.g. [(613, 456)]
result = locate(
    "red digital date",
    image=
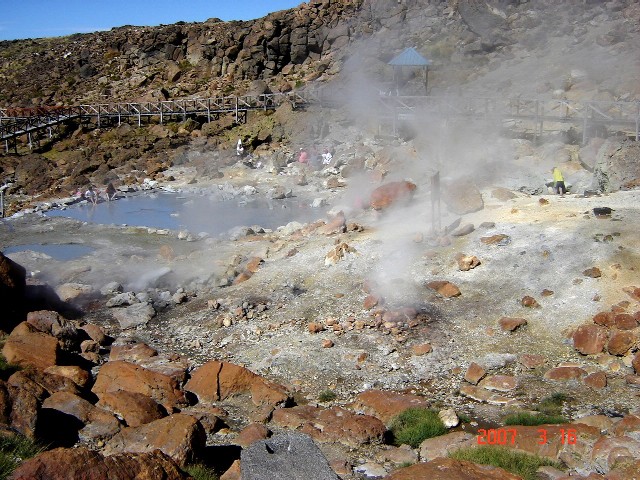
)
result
[(496, 436)]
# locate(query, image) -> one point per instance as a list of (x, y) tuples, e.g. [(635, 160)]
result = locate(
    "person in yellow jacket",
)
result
[(558, 181)]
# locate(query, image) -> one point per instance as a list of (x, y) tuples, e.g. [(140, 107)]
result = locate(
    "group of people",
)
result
[(312, 158), (92, 195)]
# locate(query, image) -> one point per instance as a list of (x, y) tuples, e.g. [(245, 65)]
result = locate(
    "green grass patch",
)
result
[(6, 369), (552, 405), (518, 463), (327, 396), (200, 472), (13, 450), (414, 425), (532, 419)]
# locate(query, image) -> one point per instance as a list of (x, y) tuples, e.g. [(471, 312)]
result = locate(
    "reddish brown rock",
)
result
[(474, 373), (27, 390), (371, 301), (178, 436), (606, 319), (563, 374), (390, 193), (58, 410), (444, 288), (331, 425), (441, 446), (252, 433), (337, 253), (596, 380), (5, 404), (77, 463), (529, 302), (253, 264), (593, 272), (421, 349), (242, 277), (132, 352), (467, 262), (386, 405), (629, 426), (337, 224), (499, 383), (95, 333), (315, 327), (134, 408), (509, 324), (233, 472), (27, 346), (621, 342), (74, 373), (120, 375), (450, 469), (500, 238), (589, 339), (633, 292), (215, 381), (635, 363), (327, 343), (531, 360), (624, 321)]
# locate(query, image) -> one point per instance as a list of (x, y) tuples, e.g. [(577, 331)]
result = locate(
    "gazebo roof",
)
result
[(410, 58)]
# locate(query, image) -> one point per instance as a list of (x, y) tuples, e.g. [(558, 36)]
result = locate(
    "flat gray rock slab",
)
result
[(291, 456)]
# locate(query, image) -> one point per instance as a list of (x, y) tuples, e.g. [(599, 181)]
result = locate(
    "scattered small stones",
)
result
[(529, 302), (510, 324)]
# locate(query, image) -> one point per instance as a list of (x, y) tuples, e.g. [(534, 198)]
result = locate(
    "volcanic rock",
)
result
[(448, 469), (444, 288), (621, 342), (589, 339), (474, 373), (386, 405), (215, 381), (12, 289), (134, 408), (510, 324), (66, 463), (442, 445), (462, 197), (390, 193), (292, 456), (178, 436), (27, 346)]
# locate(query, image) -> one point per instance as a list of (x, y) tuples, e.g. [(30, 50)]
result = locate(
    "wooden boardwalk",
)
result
[(31, 124), (540, 114)]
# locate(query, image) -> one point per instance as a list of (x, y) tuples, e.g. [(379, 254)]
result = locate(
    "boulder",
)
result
[(52, 323), (291, 456), (120, 375), (134, 408), (390, 193), (67, 463), (510, 324), (334, 424), (215, 381), (467, 262), (474, 373), (450, 469), (12, 288), (444, 288), (563, 374), (386, 405), (134, 315), (27, 346), (64, 414), (589, 339), (621, 342), (178, 436), (617, 165), (251, 434), (76, 374), (442, 445), (462, 197)]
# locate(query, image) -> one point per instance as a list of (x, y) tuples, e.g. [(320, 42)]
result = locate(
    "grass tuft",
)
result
[(414, 425), (200, 472), (327, 396), (518, 463), (13, 450), (532, 419)]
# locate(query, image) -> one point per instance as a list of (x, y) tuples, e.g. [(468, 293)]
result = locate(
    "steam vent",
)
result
[(354, 239)]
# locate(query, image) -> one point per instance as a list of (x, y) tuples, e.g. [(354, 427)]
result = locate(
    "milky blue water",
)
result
[(62, 252), (196, 214)]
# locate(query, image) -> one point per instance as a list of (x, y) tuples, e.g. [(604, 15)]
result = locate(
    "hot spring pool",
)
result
[(196, 214)]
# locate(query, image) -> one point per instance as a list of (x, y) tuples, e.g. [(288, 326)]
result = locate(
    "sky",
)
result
[(55, 18)]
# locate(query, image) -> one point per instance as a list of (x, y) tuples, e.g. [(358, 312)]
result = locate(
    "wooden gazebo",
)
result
[(409, 58)]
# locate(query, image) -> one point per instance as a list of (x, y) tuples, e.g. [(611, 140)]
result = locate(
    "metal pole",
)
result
[(2, 203), (237, 109)]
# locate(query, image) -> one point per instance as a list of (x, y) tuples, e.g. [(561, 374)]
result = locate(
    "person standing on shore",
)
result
[(558, 181)]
